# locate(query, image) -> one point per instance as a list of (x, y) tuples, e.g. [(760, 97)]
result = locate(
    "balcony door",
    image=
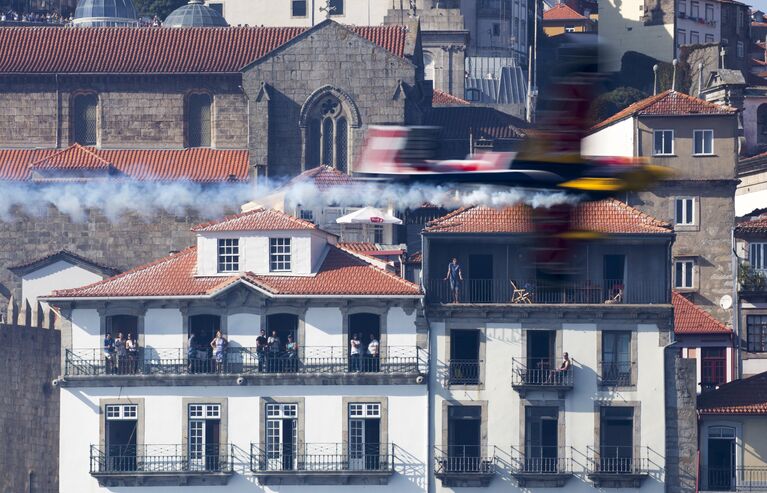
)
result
[(540, 355), (480, 278), (204, 437), (613, 275), (121, 424), (364, 436), (464, 357), (464, 438), (202, 330), (541, 432), (721, 458), (281, 436), (616, 440)]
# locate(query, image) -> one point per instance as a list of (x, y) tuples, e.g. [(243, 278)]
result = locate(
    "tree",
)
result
[(614, 101), (160, 8)]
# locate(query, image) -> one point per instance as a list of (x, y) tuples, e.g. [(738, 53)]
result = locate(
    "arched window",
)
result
[(198, 120), (328, 134), (84, 118), (428, 66), (761, 124)]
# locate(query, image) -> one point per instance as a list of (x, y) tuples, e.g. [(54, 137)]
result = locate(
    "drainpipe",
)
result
[(58, 113), (429, 394), (736, 313)]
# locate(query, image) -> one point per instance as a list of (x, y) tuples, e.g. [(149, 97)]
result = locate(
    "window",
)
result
[(757, 255), (569, 29), (694, 37), (228, 255), (378, 231), (281, 436), (122, 411), (694, 9), (464, 357), (120, 437), (616, 439), (663, 142), (740, 49), (218, 7), (684, 211), (307, 215), (682, 8), (703, 142), (681, 36), (84, 111), (298, 8), (709, 12), (709, 38), (683, 274), (616, 358), (756, 333), (496, 29), (337, 7), (198, 123), (279, 254), (713, 366), (473, 95), (204, 449), (364, 447), (329, 134)]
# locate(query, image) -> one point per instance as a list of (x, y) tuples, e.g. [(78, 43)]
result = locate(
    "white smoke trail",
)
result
[(116, 198)]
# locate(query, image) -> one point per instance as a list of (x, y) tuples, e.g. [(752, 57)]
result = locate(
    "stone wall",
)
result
[(681, 424), (28, 118), (29, 409)]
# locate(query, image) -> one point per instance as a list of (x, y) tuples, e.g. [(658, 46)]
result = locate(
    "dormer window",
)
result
[(279, 254), (228, 255)]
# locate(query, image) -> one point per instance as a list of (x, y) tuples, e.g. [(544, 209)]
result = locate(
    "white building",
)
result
[(176, 414)]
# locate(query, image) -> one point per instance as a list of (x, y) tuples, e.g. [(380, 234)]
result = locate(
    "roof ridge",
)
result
[(678, 296), (450, 215), (258, 210), (72, 148), (376, 268), (652, 220)]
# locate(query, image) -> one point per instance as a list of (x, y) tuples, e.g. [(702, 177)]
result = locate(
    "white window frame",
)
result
[(681, 35), (683, 7), (307, 215), (688, 267), (121, 412), (281, 411), (228, 260), (306, 9), (694, 37), (709, 8), (757, 256), (695, 9), (204, 411), (664, 132), (704, 132), (709, 38), (365, 410), (688, 204), (280, 254)]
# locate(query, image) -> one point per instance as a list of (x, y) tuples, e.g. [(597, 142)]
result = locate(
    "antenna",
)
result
[(673, 79), (700, 78), (655, 79)]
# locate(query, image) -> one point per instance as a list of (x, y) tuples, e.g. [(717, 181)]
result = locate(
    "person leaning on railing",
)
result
[(219, 345), (109, 349), (374, 348), (261, 345)]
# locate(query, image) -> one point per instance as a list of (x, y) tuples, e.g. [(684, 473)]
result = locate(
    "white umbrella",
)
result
[(368, 215)]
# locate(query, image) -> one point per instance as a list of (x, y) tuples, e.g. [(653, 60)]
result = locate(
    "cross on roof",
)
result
[(328, 9)]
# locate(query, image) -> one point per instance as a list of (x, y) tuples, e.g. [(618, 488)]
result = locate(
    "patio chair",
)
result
[(519, 295), (617, 294)]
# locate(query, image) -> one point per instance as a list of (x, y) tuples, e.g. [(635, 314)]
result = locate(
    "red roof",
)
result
[(341, 274), (668, 103), (195, 164), (167, 51), (258, 219), (744, 396), (608, 216), (757, 224), (443, 98), (562, 12), (358, 246), (689, 318), (324, 177)]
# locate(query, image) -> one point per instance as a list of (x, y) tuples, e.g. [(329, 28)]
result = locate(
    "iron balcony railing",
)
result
[(125, 459), (501, 291), (322, 457), (464, 371), (540, 460), (734, 478), (539, 372), (618, 459), (245, 360), (616, 373), (463, 459)]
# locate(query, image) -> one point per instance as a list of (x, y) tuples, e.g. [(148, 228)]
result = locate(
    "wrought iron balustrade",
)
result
[(539, 372), (540, 460), (464, 371), (463, 459), (616, 373), (619, 459), (322, 458), (744, 478), (149, 459)]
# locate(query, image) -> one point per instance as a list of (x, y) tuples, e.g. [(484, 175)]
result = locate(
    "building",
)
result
[(698, 141), (732, 431), (503, 413), (562, 18), (105, 13), (173, 413)]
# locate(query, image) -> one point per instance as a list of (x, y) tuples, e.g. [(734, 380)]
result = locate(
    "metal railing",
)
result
[(616, 373), (584, 291), (322, 457), (122, 459), (540, 460), (464, 371), (539, 372), (463, 459), (618, 459), (734, 478), (245, 360)]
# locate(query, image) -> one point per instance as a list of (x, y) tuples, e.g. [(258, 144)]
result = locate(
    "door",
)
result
[(202, 330), (121, 451), (464, 357), (541, 439), (540, 356), (721, 458), (205, 452), (480, 278), (464, 439), (281, 443), (613, 275), (617, 440), (365, 436)]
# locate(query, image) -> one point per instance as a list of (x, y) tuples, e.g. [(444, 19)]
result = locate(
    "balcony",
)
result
[(539, 374), (618, 466), (161, 465), (396, 364), (540, 466), (751, 280), (616, 374), (586, 292), (322, 463), (463, 465), (733, 479), (464, 372)]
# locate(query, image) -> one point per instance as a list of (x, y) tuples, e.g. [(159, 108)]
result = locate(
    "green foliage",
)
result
[(614, 101), (160, 8), (751, 279)]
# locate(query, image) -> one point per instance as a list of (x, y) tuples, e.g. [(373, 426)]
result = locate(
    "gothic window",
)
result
[(198, 120), (84, 111), (328, 140)]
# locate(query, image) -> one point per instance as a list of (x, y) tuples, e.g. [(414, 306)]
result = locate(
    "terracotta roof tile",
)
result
[(608, 216), (358, 246), (439, 98), (668, 103), (481, 121), (744, 396), (195, 164), (324, 177), (341, 274), (562, 12), (689, 318), (258, 219), (55, 256), (142, 50), (756, 224)]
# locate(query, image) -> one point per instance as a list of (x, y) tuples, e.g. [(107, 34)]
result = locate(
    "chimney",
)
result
[(700, 78), (655, 79), (673, 78)]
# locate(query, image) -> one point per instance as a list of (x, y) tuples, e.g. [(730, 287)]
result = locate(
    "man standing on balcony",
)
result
[(109, 349), (354, 352), (275, 346), (373, 350), (261, 343), (455, 276)]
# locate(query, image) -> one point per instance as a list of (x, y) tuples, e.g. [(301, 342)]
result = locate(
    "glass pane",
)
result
[(198, 120), (678, 275), (688, 211), (327, 142), (688, 275), (341, 144), (658, 146), (85, 119), (679, 217)]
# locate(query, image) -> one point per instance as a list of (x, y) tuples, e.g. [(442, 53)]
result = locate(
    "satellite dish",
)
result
[(725, 302)]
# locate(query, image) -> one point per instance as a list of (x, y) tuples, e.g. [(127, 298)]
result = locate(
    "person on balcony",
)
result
[(564, 367), (275, 346), (121, 354), (109, 350), (291, 351), (131, 346), (455, 276), (261, 344), (373, 353), (219, 346), (191, 354), (355, 350)]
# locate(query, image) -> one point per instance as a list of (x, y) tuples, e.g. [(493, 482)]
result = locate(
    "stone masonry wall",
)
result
[(27, 119), (681, 424), (29, 409)]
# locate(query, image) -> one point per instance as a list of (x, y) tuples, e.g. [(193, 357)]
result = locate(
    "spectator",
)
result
[(354, 353), (291, 350), (132, 347), (121, 354), (564, 367), (455, 276), (275, 347), (373, 353), (219, 346), (261, 345), (191, 354), (109, 351)]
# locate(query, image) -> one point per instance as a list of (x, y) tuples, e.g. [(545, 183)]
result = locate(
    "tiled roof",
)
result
[(257, 219), (608, 216), (668, 103), (195, 164), (483, 122), (756, 224), (324, 177), (562, 12), (689, 318), (439, 98), (358, 246), (341, 274), (141, 50), (59, 255), (416, 258), (744, 396)]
